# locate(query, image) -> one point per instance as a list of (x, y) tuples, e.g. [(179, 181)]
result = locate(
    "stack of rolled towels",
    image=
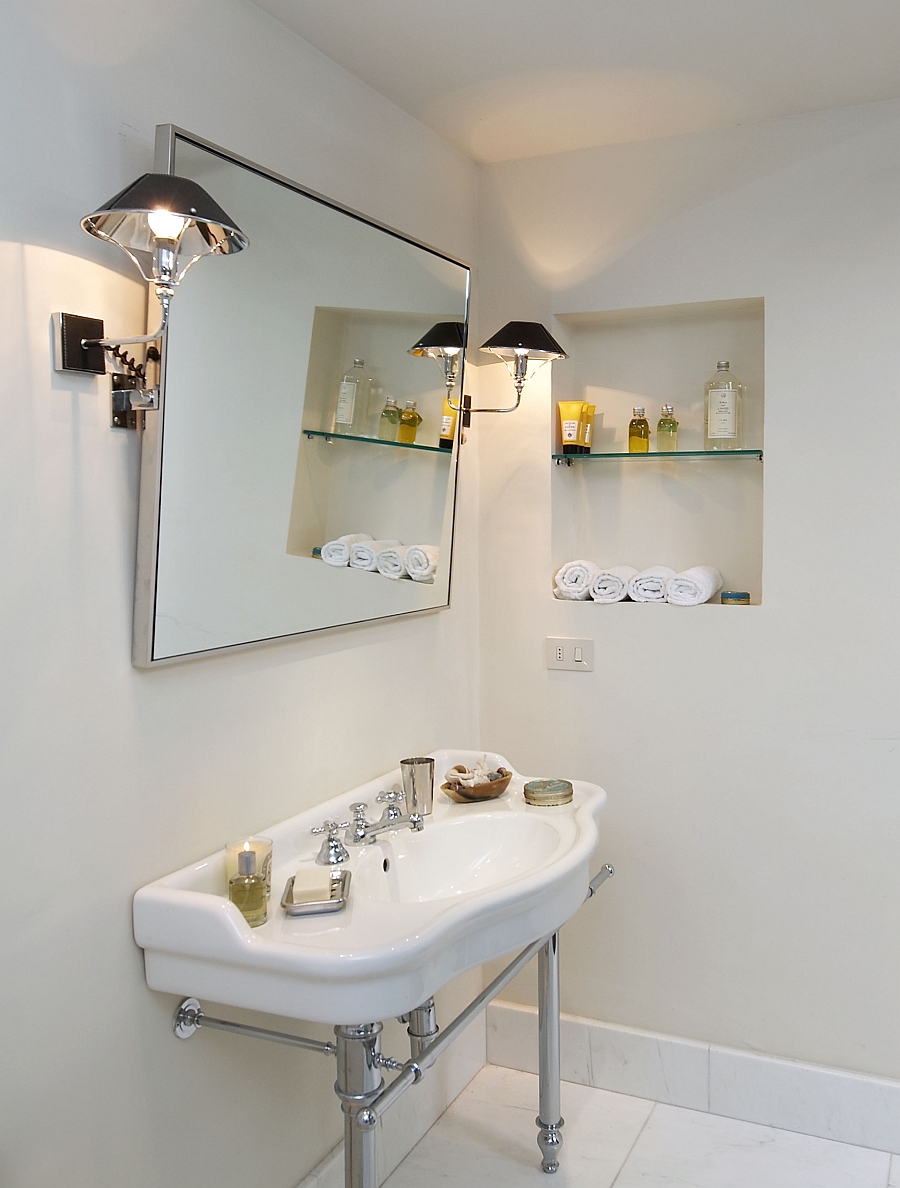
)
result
[(390, 558), (583, 581)]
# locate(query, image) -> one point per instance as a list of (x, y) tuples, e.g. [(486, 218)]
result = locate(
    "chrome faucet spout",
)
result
[(390, 822), (362, 832)]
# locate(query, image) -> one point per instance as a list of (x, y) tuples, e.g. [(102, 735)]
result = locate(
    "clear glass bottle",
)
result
[(724, 410), (247, 890), (667, 431), (389, 420), (350, 408), (409, 423), (639, 433)]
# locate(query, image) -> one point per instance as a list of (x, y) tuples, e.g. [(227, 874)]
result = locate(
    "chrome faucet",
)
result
[(362, 832)]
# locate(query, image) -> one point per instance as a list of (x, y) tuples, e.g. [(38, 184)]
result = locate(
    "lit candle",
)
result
[(261, 846)]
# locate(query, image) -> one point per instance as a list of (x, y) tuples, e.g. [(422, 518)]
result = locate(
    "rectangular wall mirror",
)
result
[(243, 476)]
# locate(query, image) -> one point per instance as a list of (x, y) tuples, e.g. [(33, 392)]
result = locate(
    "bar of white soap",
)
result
[(311, 884)]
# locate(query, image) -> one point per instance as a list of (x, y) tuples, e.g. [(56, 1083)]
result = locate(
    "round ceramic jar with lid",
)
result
[(735, 598), (546, 793)]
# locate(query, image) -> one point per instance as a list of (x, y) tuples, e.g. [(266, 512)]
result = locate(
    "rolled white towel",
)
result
[(389, 562), (611, 585), (694, 586), (574, 580), (337, 552), (363, 553), (421, 562), (649, 585)]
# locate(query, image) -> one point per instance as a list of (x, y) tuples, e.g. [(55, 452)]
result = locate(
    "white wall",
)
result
[(750, 754), (111, 776)]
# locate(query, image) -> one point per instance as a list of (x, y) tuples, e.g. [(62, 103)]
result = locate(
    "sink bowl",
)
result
[(480, 880), (458, 858)]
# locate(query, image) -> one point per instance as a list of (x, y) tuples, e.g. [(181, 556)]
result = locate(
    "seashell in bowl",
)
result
[(489, 790)]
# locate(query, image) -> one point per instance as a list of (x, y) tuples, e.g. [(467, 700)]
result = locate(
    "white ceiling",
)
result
[(516, 78)]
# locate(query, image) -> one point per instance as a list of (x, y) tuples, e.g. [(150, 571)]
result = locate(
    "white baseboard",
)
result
[(806, 1098), (415, 1112)]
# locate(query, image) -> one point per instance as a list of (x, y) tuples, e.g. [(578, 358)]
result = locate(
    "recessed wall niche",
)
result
[(677, 511)]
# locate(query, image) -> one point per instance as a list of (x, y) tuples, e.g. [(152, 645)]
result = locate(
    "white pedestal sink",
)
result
[(479, 881)]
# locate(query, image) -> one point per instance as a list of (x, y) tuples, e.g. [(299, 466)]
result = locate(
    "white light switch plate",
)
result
[(572, 655)]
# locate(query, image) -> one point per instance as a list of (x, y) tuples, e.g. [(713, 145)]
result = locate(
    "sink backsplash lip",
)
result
[(194, 937)]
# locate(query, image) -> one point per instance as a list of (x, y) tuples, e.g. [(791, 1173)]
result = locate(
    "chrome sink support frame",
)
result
[(360, 1085)]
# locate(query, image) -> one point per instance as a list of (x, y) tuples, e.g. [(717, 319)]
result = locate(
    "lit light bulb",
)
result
[(166, 225)]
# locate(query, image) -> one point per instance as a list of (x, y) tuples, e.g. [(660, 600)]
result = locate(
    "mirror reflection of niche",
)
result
[(353, 486)]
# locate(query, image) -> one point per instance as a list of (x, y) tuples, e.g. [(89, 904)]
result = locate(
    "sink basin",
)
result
[(480, 880)]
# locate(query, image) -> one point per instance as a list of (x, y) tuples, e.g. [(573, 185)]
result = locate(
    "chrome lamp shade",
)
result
[(164, 224)]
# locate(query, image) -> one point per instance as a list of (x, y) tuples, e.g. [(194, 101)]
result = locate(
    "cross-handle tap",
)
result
[(332, 850), (390, 799), (356, 832)]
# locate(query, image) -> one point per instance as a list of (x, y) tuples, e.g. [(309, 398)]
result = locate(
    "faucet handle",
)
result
[(329, 827), (359, 810), (393, 796)]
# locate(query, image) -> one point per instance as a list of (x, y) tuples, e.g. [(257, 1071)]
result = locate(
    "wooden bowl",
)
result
[(489, 791)]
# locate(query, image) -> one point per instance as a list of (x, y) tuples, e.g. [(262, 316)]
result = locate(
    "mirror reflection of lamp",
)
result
[(164, 224), (445, 342), (523, 346)]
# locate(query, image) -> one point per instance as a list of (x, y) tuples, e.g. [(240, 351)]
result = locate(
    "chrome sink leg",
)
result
[(422, 1027), (359, 1081), (548, 1120)]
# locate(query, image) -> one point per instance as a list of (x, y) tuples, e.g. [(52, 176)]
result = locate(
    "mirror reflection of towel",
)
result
[(363, 554), (421, 562), (389, 563), (337, 552)]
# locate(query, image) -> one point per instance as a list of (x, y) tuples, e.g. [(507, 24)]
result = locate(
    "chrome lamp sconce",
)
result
[(164, 224), (523, 346)]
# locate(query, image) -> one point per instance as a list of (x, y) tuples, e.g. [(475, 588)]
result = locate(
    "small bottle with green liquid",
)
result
[(389, 420), (639, 433), (667, 431), (247, 889)]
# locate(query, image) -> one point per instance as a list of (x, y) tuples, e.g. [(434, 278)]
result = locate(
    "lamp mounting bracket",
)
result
[(129, 400)]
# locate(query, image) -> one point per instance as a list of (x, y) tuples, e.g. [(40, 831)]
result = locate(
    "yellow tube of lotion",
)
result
[(588, 435), (571, 413)]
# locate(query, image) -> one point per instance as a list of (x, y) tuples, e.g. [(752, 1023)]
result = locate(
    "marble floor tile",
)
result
[(487, 1137), (681, 1148)]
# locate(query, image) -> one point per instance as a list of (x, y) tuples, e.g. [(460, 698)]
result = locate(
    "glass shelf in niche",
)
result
[(397, 445), (571, 459)]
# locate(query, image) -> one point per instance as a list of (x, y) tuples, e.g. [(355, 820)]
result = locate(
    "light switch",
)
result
[(571, 655)]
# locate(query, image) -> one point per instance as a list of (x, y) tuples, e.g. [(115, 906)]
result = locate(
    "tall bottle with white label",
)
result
[(724, 411), (350, 409)]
